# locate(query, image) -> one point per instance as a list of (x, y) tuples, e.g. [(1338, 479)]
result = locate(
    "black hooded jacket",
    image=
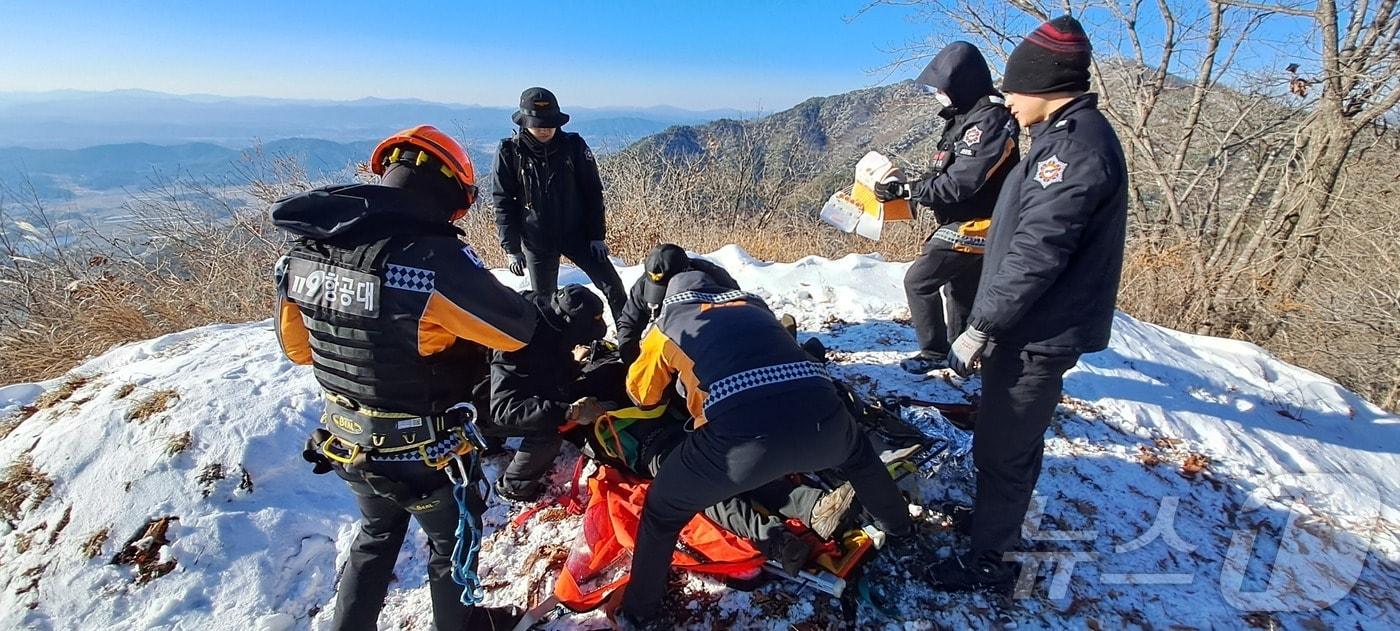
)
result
[(532, 387), (978, 147), (1055, 252), (549, 197), (383, 300)]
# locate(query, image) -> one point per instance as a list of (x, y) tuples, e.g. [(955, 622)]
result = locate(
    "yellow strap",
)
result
[(345, 460), (638, 414)]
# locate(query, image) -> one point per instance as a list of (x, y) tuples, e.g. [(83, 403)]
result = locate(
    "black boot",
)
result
[(973, 572)]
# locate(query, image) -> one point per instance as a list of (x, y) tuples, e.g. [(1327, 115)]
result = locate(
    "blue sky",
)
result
[(755, 56)]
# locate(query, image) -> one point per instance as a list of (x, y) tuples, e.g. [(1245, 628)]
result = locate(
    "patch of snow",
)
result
[(1291, 520)]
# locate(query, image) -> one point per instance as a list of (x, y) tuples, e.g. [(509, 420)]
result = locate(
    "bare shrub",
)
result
[(194, 253)]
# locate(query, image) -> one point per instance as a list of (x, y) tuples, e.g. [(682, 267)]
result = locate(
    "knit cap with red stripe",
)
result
[(1053, 58)]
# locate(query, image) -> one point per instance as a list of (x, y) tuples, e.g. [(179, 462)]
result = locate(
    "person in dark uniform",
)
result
[(751, 391), (977, 151), (644, 299), (536, 390), (549, 200), (395, 314), (1048, 288)]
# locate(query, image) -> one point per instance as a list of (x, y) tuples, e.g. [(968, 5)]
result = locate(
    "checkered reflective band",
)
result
[(957, 238), (766, 376), (409, 278), (436, 451), (699, 296)]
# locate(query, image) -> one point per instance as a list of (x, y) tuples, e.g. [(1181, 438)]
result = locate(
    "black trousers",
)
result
[(933, 270), (388, 494), (544, 274), (744, 449), (532, 461), (779, 500), (1019, 392)]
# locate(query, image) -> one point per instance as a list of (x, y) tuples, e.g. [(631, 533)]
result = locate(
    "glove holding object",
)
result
[(891, 190), (966, 351)]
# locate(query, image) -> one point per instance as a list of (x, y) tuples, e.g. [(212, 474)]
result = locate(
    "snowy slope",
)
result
[(257, 538)]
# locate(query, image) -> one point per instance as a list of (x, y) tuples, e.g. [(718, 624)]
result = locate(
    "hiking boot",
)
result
[(789, 324), (831, 509), (519, 492), (815, 349), (924, 363), (974, 572), (951, 516)]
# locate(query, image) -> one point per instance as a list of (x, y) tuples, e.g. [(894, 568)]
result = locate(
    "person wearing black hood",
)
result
[(549, 200), (535, 390), (644, 299), (1048, 289), (395, 314), (977, 150)]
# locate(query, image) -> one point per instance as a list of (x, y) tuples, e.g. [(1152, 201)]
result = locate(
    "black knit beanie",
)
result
[(1053, 58)]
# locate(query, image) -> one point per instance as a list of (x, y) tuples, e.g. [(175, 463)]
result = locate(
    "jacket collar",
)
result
[(1061, 117)]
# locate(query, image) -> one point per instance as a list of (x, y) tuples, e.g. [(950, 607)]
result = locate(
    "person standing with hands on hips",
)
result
[(1049, 283), (549, 201)]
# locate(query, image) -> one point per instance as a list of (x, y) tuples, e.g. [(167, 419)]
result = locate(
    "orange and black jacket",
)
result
[(384, 301), (723, 346)]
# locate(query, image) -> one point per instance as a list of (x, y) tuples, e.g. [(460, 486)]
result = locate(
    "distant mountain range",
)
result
[(817, 141), (69, 119), (61, 144)]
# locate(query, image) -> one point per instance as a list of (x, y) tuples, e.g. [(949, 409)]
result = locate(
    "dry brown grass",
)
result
[(124, 391), (158, 401), (62, 392), (92, 546), (178, 444), (23, 488)]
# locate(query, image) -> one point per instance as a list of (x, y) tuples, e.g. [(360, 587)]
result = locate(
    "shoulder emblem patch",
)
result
[(972, 136), (1050, 171), (473, 256)]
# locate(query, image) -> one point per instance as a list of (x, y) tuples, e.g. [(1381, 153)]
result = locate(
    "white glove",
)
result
[(966, 351), (600, 250)]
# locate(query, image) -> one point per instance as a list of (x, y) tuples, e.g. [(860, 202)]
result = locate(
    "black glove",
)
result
[(891, 190), (517, 264), (312, 453)]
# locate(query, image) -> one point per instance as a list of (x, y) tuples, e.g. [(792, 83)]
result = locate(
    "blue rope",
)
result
[(464, 554)]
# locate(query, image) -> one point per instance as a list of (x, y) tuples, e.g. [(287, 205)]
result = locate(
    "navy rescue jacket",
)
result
[(721, 348), (978, 147), (549, 196), (1055, 252), (637, 313), (387, 305)]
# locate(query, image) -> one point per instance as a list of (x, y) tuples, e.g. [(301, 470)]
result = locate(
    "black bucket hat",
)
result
[(665, 261), (539, 108)]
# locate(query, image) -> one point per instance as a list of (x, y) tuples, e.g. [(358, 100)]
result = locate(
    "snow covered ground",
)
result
[(1189, 481)]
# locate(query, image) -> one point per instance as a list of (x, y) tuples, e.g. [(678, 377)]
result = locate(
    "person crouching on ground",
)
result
[(535, 390), (762, 410)]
